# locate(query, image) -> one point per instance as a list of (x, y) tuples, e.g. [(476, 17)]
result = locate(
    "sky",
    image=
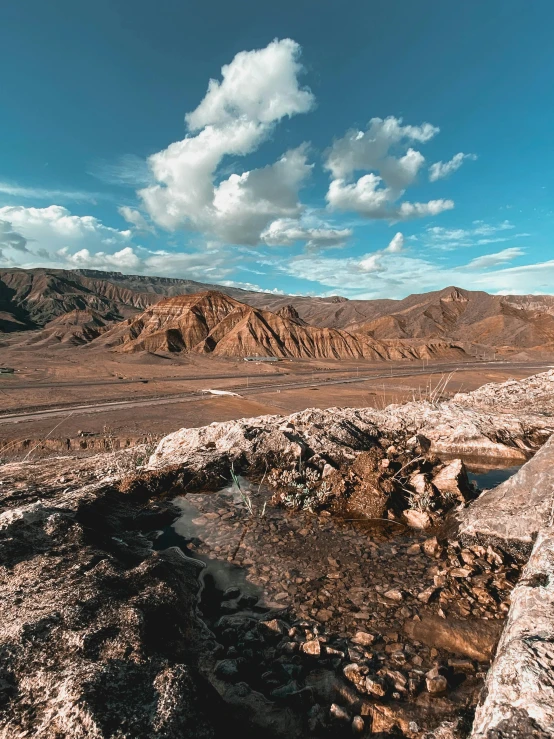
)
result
[(370, 148)]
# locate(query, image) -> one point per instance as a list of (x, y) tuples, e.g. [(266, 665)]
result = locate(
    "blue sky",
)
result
[(369, 149)]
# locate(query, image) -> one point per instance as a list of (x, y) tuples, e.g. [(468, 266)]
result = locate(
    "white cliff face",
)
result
[(519, 688)]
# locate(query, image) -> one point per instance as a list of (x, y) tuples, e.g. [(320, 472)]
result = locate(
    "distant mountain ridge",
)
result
[(213, 323), (30, 299)]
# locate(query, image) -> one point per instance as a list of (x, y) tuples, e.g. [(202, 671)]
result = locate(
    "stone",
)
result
[(473, 638), (375, 685), (228, 669), (511, 514), (435, 681), (363, 639), (417, 519), (452, 481), (431, 546), (358, 725), (312, 648), (395, 595), (339, 713)]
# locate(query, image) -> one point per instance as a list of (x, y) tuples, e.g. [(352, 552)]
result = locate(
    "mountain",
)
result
[(30, 299), (76, 328), (213, 323), (501, 321)]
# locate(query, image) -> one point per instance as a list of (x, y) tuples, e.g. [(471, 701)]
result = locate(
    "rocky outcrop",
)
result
[(99, 636), (514, 512), (519, 690), (313, 438)]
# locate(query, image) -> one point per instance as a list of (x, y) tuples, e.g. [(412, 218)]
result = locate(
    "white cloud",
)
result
[(11, 239), (367, 198), (369, 150), (376, 194), (440, 170), (128, 170), (420, 210), (286, 232), (494, 260), (481, 234), (258, 89), (124, 259), (54, 228), (396, 244), (41, 193), (250, 286), (135, 218)]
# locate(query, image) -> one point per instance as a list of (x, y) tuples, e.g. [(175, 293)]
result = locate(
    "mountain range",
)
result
[(81, 306)]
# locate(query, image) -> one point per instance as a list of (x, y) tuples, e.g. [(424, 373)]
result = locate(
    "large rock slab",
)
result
[(519, 691), (513, 513)]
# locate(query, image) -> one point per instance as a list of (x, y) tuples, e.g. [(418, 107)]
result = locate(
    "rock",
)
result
[(312, 648), (473, 638), (452, 481), (511, 514), (519, 690), (363, 639), (228, 669), (339, 713), (417, 519), (395, 595), (358, 725), (436, 683), (431, 546), (375, 685)]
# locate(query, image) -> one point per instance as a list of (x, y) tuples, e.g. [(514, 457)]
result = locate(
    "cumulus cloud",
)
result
[(494, 260), (11, 239), (440, 170), (376, 194), (369, 199), (135, 218), (55, 228), (370, 150), (286, 232), (258, 89), (124, 259)]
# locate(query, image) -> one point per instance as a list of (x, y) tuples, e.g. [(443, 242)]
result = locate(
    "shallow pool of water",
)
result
[(487, 479)]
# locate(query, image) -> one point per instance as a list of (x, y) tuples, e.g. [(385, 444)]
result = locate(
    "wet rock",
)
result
[(471, 638)]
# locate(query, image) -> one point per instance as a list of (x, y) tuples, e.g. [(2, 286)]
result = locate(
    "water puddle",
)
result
[(485, 479)]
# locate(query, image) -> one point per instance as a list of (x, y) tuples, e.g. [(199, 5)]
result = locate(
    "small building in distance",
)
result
[(261, 359), (7, 371)]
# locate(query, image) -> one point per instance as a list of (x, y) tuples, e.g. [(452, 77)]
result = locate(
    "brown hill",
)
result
[(501, 321), (30, 299), (78, 327), (213, 323)]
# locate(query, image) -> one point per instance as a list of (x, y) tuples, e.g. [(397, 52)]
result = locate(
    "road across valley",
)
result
[(246, 390)]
